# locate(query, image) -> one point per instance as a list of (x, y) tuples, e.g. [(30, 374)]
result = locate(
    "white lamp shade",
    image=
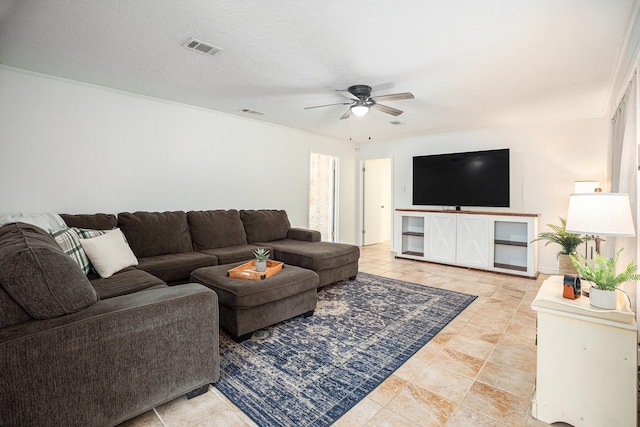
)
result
[(603, 214), (360, 110)]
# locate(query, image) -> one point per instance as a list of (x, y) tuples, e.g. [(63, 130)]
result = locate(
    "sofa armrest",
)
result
[(112, 361), (304, 234)]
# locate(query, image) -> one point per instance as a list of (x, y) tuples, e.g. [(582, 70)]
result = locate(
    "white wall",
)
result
[(546, 160), (76, 148)]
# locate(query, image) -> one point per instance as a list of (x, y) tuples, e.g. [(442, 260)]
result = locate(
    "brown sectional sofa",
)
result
[(66, 361), (76, 352), (170, 245)]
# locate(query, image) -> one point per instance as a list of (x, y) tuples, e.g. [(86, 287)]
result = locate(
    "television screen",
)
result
[(479, 178)]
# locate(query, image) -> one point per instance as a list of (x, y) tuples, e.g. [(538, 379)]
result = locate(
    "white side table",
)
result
[(587, 360)]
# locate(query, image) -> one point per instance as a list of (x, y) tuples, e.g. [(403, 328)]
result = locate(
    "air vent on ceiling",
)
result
[(201, 47), (250, 111)]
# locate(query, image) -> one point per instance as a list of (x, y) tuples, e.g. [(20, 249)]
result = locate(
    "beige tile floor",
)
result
[(478, 371)]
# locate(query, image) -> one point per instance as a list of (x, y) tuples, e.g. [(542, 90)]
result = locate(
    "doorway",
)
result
[(376, 211), (323, 196)]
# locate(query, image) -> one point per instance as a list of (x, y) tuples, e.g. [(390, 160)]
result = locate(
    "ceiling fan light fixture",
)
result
[(360, 110)]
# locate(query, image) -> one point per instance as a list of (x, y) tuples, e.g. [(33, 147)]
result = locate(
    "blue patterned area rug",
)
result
[(309, 372)]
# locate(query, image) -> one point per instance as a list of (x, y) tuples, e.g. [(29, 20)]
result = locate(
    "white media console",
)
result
[(492, 241)]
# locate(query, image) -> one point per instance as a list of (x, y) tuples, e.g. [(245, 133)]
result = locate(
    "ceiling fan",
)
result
[(362, 101)]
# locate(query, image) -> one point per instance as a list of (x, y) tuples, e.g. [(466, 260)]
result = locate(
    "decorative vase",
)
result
[(565, 266), (603, 299), (261, 265)]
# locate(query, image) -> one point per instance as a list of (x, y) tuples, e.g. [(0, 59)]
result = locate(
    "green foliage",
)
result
[(261, 254), (603, 272), (568, 241)]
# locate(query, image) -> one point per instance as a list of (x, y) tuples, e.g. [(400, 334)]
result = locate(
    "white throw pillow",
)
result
[(109, 253)]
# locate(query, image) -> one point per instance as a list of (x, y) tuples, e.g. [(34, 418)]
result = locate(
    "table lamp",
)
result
[(600, 214)]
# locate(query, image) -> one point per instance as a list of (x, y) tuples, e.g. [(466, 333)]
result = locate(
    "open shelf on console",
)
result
[(510, 266), (510, 245), (412, 253), (413, 236)]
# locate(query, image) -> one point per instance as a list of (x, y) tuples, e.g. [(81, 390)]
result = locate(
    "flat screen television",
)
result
[(478, 178)]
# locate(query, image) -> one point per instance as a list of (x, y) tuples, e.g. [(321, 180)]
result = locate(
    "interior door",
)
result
[(377, 215)]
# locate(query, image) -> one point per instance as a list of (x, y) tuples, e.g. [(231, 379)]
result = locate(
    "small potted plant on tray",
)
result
[(568, 242), (262, 255), (603, 278)]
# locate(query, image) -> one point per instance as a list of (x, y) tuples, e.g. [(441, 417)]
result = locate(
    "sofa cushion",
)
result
[(216, 229), (127, 281), (156, 233), (109, 253), (176, 267), (99, 221), (236, 253), (38, 275), (315, 256), (265, 225)]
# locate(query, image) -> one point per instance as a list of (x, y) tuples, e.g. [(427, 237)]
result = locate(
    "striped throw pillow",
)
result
[(69, 241)]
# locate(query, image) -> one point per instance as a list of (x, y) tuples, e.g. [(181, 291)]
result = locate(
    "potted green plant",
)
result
[(568, 242), (604, 279), (262, 255)]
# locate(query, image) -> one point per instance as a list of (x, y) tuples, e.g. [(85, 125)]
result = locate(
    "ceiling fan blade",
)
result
[(346, 114), (386, 109), (348, 94), (328, 105), (393, 97)]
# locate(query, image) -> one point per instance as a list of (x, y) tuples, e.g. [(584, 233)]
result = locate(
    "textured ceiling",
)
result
[(469, 63)]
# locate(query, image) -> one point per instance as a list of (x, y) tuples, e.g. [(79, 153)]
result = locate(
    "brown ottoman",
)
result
[(248, 305)]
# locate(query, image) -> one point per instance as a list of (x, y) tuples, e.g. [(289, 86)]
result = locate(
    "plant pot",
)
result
[(261, 265), (565, 266), (603, 299)]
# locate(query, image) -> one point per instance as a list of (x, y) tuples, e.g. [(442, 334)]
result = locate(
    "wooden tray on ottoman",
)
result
[(248, 271)]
